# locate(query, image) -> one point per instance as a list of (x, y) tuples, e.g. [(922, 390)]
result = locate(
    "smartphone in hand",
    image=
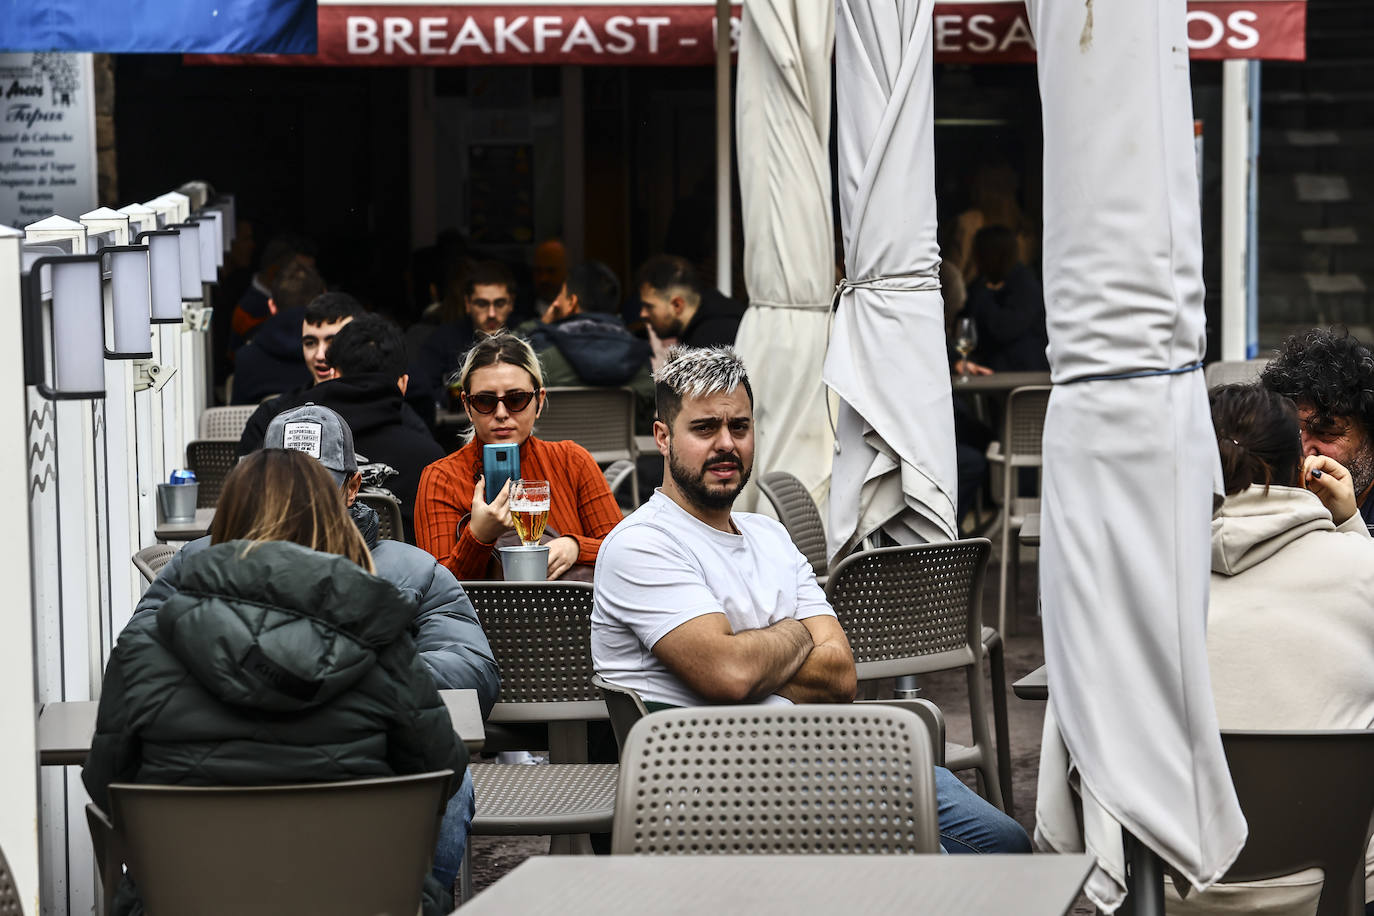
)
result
[(500, 463)]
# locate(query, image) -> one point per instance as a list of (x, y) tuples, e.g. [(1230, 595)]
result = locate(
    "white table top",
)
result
[(1041, 885), (65, 729), (185, 531)]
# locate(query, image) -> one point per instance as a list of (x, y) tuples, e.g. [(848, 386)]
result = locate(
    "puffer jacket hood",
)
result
[(1253, 525), (598, 347), (277, 627)]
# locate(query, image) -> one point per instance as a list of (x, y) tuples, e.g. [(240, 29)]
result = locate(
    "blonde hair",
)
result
[(284, 495), (501, 347)]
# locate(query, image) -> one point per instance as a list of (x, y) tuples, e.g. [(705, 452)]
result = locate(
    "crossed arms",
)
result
[(806, 661)]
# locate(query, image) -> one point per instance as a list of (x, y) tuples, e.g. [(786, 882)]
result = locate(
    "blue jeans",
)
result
[(453, 834), (970, 824)]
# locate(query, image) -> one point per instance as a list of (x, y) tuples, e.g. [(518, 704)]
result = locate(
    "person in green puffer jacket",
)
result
[(280, 658)]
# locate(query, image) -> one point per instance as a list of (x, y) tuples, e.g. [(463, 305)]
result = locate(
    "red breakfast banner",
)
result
[(459, 34)]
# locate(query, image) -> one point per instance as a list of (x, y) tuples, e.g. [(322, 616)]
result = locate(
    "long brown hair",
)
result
[(1257, 436), (284, 495)]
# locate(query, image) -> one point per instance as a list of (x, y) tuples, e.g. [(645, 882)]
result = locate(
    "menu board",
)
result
[(47, 137)]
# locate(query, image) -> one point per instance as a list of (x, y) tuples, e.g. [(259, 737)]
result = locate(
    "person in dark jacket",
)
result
[(1006, 306), (314, 328), (272, 361), (677, 303), (488, 302), (445, 627), (278, 658), (580, 340), (369, 361)]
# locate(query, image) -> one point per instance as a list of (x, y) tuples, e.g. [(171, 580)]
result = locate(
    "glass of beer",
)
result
[(529, 509)]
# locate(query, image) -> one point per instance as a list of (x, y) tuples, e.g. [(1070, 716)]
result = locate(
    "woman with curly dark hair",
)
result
[(1329, 375)]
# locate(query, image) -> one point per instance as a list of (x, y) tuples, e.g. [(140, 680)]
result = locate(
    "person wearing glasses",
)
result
[(502, 390), (488, 300)]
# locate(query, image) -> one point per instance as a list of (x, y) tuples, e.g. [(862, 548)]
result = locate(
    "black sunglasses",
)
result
[(515, 401)]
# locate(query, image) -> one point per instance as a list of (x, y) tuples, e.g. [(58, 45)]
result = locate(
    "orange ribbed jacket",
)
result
[(581, 503)]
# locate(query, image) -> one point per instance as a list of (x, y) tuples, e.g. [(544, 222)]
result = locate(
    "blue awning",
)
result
[(159, 26)]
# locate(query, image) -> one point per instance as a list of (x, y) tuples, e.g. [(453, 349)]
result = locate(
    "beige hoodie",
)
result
[(1290, 643)]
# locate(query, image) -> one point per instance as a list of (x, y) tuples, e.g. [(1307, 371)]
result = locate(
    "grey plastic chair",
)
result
[(1233, 372), (915, 610), (1308, 798), (776, 779), (1022, 432), (627, 707), (149, 561), (224, 422), (540, 634), (212, 460), (334, 848), (601, 420), (800, 516), (10, 904), (617, 472), (388, 510)]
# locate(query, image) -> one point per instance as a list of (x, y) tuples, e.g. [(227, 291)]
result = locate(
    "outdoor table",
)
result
[(65, 729), (1030, 530), (1000, 383), (185, 531), (1044, 885), (1034, 686)]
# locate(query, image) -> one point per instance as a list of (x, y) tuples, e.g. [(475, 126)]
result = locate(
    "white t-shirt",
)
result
[(662, 567)]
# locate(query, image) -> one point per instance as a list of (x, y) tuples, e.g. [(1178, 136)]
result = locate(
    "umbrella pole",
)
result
[(724, 250), (1145, 880)]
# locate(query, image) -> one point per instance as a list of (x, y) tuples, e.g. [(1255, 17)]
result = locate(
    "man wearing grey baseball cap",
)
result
[(447, 634)]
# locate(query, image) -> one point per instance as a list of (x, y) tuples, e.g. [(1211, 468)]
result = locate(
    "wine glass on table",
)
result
[(965, 340), (529, 509)]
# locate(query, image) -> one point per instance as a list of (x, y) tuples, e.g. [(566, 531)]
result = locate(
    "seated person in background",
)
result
[(677, 303), (1006, 306), (1329, 375), (550, 270), (1290, 635), (368, 359), (314, 328), (488, 300), (200, 692), (581, 340), (503, 394), (444, 626), (252, 308), (271, 362), (696, 604)]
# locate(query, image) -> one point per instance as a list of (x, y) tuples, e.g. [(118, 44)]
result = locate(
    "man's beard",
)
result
[(1362, 470), (693, 484)]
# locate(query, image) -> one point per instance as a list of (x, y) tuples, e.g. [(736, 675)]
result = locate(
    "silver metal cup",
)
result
[(176, 502), (525, 564)]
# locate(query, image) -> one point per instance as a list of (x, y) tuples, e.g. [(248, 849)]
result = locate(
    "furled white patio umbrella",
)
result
[(894, 465), (782, 129), (1129, 453)]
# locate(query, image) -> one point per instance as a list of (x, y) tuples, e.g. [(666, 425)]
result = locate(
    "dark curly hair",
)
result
[(1329, 369)]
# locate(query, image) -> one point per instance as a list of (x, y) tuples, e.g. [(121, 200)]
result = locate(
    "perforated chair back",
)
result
[(1025, 424), (541, 635), (224, 422), (912, 610), (1234, 371), (388, 510), (212, 460), (1308, 798), (601, 420), (149, 561), (359, 847), (776, 779), (799, 515), (10, 904)]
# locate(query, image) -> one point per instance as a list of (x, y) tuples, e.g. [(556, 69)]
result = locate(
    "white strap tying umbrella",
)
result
[(894, 467), (1129, 453), (783, 130)]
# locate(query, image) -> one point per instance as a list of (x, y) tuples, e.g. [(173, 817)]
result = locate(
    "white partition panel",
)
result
[(18, 704)]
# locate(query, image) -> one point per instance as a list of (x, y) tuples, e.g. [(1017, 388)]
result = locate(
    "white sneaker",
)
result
[(519, 757)]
